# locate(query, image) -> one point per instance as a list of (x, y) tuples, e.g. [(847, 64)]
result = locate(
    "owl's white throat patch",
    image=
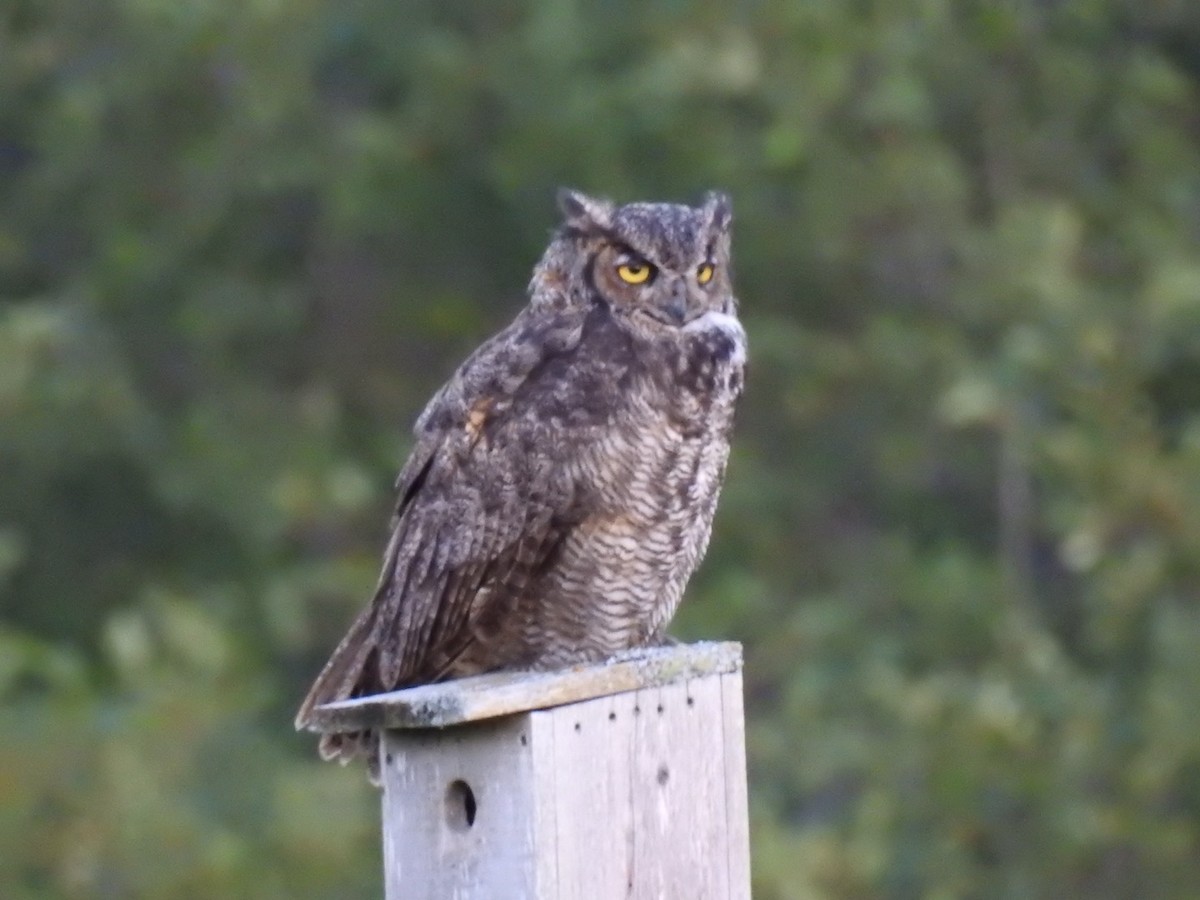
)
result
[(726, 324)]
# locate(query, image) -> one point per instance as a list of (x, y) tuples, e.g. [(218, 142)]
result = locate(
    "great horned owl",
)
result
[(562, 485)]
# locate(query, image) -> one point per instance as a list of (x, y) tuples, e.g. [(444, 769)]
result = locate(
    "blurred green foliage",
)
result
[(241, 243)]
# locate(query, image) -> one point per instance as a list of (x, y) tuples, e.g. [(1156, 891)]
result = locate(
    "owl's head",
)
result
[(656, 265)]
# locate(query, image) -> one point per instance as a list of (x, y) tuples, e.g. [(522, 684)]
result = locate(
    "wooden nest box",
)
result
[(622, 779)]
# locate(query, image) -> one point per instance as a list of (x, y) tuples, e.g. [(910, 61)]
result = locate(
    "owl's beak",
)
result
[(677, 306), (677, 310)]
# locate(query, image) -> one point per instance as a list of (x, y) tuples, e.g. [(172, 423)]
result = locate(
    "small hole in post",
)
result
[(612, 717), (460, 806), (664, 774), (660, 709), (578, 727)]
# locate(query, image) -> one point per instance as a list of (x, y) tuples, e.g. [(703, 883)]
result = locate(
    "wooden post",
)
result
[(621, 779)]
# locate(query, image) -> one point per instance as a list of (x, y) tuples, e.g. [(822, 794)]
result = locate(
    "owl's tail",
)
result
[(350, 672)]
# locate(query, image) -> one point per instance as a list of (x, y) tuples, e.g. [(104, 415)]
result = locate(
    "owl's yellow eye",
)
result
[(704, 274), (634, 272)]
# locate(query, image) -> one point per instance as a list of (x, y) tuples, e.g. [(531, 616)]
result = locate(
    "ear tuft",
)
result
[(719, 209), (584, 213)]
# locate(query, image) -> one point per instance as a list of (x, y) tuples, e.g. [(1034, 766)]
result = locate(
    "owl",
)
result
[(561, 487)]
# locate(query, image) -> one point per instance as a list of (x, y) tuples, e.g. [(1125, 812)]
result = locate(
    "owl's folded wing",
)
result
[(478, 512)]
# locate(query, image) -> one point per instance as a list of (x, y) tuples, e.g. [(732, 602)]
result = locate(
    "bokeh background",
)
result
[(242, 241)]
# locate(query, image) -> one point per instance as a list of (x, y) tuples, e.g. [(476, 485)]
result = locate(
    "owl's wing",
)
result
[(479, 509)]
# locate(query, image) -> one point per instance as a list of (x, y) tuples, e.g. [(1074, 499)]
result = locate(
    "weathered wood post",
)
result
[(622, 779)]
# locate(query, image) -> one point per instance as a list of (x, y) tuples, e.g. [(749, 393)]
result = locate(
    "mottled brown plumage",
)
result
[(562, 486)]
